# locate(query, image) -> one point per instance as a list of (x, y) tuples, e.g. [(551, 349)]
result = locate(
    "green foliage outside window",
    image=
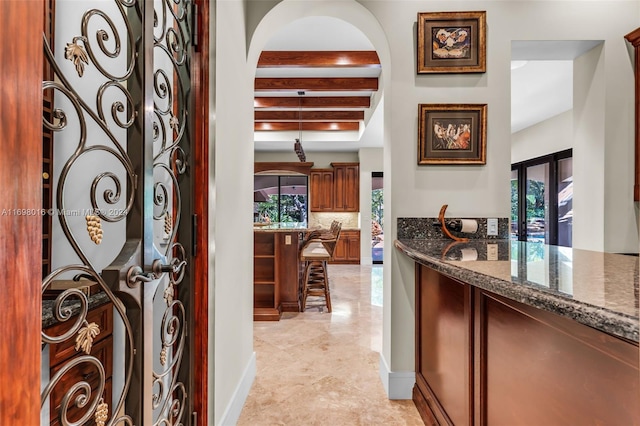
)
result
[(377, 210), (292, 208), (535, 199)]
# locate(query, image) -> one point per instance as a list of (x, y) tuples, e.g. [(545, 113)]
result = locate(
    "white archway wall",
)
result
[(358, 16)]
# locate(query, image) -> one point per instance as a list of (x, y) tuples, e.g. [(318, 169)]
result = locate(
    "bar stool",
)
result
[(316, 251)]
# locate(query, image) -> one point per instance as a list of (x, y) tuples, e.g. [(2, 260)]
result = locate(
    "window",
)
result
[(377, 217), (539, 214), (280, 198)]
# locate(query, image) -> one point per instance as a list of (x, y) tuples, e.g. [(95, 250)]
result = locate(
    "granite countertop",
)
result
[(597, 289), (280, 227), (291, 226), (48, 317)]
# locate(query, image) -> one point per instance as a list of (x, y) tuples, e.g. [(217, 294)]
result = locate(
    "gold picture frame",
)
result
[(452, 42), (452, 134)]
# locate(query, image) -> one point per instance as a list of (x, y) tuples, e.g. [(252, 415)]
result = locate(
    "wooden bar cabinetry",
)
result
[(482, 359), (275, 274), (61, 354)]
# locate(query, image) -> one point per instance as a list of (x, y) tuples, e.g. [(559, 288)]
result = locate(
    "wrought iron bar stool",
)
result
[(316, 251)]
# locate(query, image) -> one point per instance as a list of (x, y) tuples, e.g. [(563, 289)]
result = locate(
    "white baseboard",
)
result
[(397, 385), (234, 409)]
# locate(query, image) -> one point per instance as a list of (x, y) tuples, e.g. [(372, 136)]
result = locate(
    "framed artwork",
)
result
[(452, 133), (451, 42)]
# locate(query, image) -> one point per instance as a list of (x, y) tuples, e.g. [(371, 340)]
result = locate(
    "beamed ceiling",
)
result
[(315, 90)]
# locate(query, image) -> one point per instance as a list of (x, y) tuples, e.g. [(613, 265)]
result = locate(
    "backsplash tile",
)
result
[(416, 228), (324, 219)]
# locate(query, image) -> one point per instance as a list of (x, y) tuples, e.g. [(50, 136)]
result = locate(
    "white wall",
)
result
[(546, 137), (371, 160), (232, 236), (484, 191)]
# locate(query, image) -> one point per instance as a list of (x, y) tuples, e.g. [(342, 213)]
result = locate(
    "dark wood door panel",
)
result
[(445, 333), (530, 363)]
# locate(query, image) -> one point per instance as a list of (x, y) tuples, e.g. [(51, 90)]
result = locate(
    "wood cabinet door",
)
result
[(353, 247), (352, 188), (340, 252), (346, 187), (339, 188), (347, 248), (321, 187)]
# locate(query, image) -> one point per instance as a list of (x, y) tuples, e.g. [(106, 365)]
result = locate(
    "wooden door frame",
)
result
[(200, 83), (20, 191), (21, 188)]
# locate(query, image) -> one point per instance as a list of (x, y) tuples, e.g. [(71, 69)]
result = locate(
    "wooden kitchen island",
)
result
[(276, 269), (524, 334)]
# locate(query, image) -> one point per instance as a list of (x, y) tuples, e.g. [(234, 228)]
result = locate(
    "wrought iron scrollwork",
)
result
[(98, 125), (85, 130)]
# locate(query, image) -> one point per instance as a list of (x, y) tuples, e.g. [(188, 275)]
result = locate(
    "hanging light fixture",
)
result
[(297, 146)]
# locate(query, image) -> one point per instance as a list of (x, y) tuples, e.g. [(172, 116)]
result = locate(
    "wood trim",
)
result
[(200, 82), (318, 59), (634, 38), (308, 115), (317, 84), (276, 166), (324, 126), (312, 102), (21, 66)]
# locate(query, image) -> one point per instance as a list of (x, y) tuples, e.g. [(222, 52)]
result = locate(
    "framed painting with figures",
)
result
[(452, 133), (451, 42)]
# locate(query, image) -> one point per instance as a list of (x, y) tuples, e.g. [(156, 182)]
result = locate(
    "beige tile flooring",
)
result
[(317, 368)]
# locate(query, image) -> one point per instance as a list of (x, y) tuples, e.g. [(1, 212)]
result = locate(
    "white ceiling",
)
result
[(541, 81)]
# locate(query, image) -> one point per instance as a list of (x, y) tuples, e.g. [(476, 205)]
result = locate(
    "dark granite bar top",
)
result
[(597, 289), (48, 317)]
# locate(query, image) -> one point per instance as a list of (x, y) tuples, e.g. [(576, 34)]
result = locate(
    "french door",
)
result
[(122, 216), (542, 199)]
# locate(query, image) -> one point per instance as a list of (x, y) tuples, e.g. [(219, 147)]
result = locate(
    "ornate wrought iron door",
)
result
[(122, 221)]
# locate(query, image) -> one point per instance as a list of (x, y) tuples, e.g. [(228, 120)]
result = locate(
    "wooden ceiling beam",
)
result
[(318, 59), (317, 84), (313, 125), (312, 102), (308, 115)]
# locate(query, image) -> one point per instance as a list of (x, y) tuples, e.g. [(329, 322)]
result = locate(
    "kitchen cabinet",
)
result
[(336, 189), (321, 190), (347, 249), (346, 184), (64, 353)]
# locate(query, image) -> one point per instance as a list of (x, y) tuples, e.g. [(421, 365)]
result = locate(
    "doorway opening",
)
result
[(377, 218)]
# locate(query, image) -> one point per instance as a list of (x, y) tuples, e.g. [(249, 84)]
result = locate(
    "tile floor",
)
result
[(316, 368)]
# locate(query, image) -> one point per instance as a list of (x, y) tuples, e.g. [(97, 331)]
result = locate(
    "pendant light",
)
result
[(297, 146)]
